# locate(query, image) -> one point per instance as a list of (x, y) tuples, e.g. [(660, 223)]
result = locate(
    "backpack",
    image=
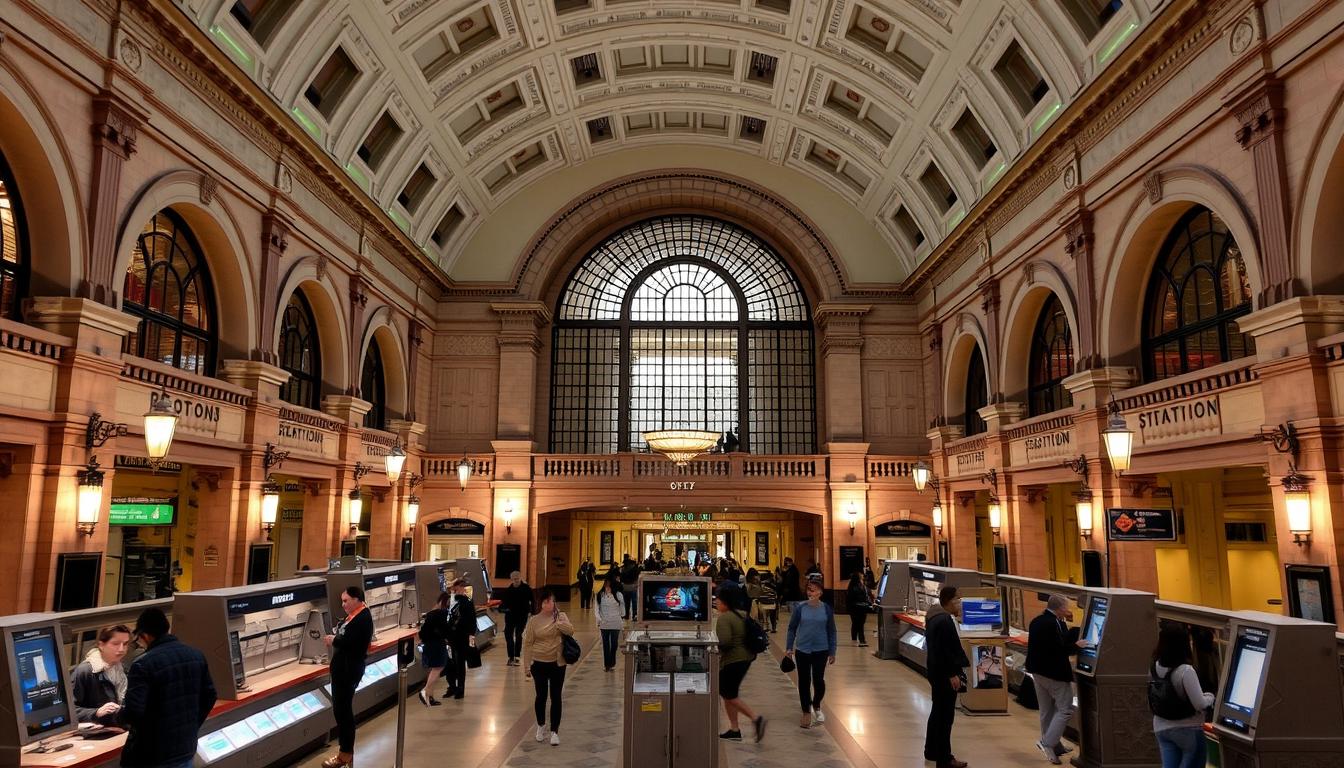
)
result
[(1165, 699), (754, 638)]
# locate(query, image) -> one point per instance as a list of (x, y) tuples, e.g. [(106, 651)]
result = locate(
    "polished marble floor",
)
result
[(875, 713)]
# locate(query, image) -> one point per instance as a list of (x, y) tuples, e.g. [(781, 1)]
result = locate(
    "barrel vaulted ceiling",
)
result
[(471, 121)]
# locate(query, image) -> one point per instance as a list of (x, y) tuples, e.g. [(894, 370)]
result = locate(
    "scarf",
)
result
[(114, 673)]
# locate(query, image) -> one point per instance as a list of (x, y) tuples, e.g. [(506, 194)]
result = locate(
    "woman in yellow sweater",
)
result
[(544, 661)]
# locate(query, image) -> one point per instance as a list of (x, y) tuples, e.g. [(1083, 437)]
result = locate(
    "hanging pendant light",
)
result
[(681, 445), (395, 459), (920, 473), (270, 505), (1119, 439)]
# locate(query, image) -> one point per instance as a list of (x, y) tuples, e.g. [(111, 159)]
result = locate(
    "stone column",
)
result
[(933, 369), (385, 523), (228, 517), (841, 347), (1024, 529), (359, 298), (1258, 107), (939, 437), (116, 123), (989, 302), (324, 524), (848, 486), (519, 344), (1078, 240), (274, 241)]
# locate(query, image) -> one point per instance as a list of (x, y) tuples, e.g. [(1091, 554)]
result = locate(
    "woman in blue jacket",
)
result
[(811, 644)]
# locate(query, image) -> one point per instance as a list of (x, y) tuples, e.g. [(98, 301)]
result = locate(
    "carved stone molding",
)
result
[(115, 125), (1078, 236), (209, 186), (208, 477), (1152, 185), (1259, 113), (1035, 494), (964, 498)]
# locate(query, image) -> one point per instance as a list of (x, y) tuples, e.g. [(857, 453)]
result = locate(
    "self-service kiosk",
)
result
[(926, 581), (893, 596), (1280, 703), (36, 704), (477, 574), (389, 593), (671, 677), (1120, 627)]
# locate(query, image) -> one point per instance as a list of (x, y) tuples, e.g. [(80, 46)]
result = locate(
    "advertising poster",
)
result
[(607, 549), (762, 548), (988, 660), (1134, 524)]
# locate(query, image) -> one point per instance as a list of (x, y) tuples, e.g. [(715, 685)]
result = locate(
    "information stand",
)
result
[(1280, 701), (893, 597), (671, 677), (926, 581), (1120, 626), (981, 630)]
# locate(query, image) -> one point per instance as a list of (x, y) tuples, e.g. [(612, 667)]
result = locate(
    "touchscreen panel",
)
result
[(1241, 695), (41, 682), (1094, 624), (676, 601)]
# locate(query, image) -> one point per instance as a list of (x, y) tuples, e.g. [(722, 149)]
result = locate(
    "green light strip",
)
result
[(358, 176), (1049, 113), (307, 123), (399, 219), (1120, 38), (993, 177), (233, 47), (951, 225)]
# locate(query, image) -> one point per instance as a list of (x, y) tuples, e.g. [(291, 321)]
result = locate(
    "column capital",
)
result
[(116, 123), (840, 318), (1258, 108), (522, 312), (347, 408), (1093, 387), (1292, 326), (95, 327), (263, 378), (999, 415), (412, 433)]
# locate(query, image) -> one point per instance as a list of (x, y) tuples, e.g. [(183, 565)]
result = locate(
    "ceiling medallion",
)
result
[(681, 445), (853, 96), (880, 25), (465, 25)]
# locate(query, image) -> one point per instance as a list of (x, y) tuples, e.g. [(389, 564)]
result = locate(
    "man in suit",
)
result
[(1050, 643), (461, 633), (517, 603), (349, 642), (946, 663), (169, 694)]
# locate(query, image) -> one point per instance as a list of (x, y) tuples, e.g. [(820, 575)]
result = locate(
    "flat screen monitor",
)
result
[(882, 583), (1241, 694), (981, 613), (1094, 624), (675, 601), (485, 579), (40, 683)]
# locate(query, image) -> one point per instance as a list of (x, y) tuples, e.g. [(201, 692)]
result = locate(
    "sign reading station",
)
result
[(1132, 524)]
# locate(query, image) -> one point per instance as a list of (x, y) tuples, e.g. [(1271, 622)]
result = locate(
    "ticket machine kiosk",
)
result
[(389, 593), (893, 596), (1120, 627), (36, 705), (1280, 703), (671, 677), (926, 581)]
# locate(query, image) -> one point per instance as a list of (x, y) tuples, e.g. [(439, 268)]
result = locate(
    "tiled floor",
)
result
[(875, 717)]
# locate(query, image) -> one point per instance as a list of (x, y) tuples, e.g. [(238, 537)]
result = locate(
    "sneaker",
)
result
[(818, 717), (541, 733), (731, 735), (555, 739), (759, 722), (863, 643), (1049, 753)]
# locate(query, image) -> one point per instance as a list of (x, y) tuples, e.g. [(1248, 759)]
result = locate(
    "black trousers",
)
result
[(938, 734), (631, 593), (856, 621), (548, 677), (456, 670), (585, 594), (611, 641), (811, 678), (343, 708), (513, 634)]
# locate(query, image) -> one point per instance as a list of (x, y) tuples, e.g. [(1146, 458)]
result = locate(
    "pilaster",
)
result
[(275, 229), (989, 302), (115, 128), (359, 299), (1078, 241), (519, 343), (1258, 108), (841, 326)]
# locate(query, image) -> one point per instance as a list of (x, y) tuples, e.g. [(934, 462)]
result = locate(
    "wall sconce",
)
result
[(356, 509), (508, 517), (995, 515), (464, 471), (1119, 439), (395, 459), (852, 512), (160, 426), (921, 473), (90, 497), (1082, 504), (938, 516), (1296, 496), (413, 501), (270, 505)]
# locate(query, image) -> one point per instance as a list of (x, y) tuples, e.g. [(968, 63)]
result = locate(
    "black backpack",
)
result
[(754, 638), (1165, 699)]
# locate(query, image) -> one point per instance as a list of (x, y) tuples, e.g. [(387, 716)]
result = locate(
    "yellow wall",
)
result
[(586, 532), (1063, 545), (181, 535)]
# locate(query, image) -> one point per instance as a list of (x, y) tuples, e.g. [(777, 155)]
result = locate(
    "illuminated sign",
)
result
[(141, 512)]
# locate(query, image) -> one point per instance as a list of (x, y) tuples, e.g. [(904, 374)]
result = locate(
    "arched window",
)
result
[(13, 245), (373, 387), (682, 321), (1198, 289), (300, 354), (168, 287), (977, 392), (1051, 360)]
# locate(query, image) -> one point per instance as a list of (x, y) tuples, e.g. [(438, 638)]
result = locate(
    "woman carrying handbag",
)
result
[(544, 658)]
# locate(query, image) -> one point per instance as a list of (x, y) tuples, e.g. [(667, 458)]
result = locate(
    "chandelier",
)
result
[(681, 445)]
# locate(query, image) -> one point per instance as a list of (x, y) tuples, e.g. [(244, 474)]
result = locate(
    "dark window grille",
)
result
[(168, 287), (977, 393), (762, 67), (13, 245), (1198, 290), (373, 387), (1051, 360), (586, 68), (300, 354), (653, 330)]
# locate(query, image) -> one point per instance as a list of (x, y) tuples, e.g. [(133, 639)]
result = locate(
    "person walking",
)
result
[(630, 586), (811, 644), (790, 590), (587, 574), (517, 603), (461, 638), (99, 682), (1177, 700), (859, 603), (169, 694), (946, 664), (734, 661), (544, 662), (349, 644), (769, 602), (1050, 643), (434, 647), (610, 609)]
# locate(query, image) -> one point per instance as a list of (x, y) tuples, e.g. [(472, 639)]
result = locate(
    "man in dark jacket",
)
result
[(790, 588), (1050, 643), (461, 632), (630, 587), (349, 642), (516, 602), (587, 575), (169, 694), (946, 662)]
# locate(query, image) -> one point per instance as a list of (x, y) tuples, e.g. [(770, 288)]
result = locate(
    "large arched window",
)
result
[(13, 245), (373, 387), (682, 321), (1198, 289), (300, 354), (168, 287), (1051, 360), (977, 392)]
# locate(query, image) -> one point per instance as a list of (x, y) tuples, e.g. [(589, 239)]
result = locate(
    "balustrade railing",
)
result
[(176, 380), (482, 466), (22, 338)]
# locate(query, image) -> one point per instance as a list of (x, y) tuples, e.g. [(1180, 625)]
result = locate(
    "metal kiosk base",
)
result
[(671, 699)]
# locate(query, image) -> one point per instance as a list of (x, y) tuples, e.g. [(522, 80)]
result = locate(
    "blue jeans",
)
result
[(1182, 747), (611, 639)]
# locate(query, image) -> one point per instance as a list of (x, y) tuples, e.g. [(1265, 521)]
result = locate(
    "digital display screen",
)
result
[(882, 583), (311, 703), (240, 733), (1094, 624), (213, 746), (676, 601), (483, 622), (280, 715), (981, 614), (261, 724), (1242, 694), (153, 513), (41, 681)]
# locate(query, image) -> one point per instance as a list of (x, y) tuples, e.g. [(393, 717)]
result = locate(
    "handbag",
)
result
[(786, 665), (473, 657), (570, 649)]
